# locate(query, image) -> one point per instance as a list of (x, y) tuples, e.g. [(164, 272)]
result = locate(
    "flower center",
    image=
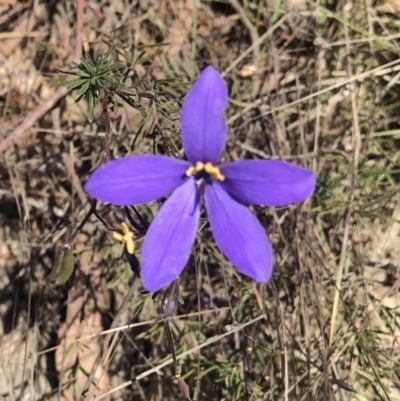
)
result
[(205, 170)]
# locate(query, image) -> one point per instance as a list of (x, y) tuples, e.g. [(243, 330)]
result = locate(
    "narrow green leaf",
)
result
[(134, 104), (144, 128), (69, 72), (75, 83), (84, 88)]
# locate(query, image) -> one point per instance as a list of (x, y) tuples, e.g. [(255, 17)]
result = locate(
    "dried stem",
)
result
[(141, 229), (254, 40), (183, 387), (105, 157), (31, 118), (91, 211), (80, 5), (249, 347), (172, 345), (48, 104), (182, 355)]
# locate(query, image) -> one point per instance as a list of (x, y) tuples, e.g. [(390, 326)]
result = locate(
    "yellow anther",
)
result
[(215, 172), (199, 166), (190, 171), (194, 169), (209, 168), (126, 238)]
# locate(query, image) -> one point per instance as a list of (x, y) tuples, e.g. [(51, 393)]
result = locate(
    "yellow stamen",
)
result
[(126, 238), (215, 172), (209, 168), (199, 166), (119, 237), (190, 171), (194, 169)]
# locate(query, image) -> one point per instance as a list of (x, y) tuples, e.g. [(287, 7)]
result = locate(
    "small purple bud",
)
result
[(170, 300)]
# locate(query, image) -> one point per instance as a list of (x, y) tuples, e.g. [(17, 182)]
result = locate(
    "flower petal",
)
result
[(239, 234), (203, 126), (170, 237), (267, 182), (136, 179)]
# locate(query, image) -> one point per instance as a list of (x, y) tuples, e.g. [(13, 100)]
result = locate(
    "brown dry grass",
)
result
[(305, 85)]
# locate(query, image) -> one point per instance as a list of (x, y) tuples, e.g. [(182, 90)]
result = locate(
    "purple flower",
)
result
[(225, 188)]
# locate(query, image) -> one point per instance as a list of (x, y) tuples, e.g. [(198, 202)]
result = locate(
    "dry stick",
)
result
[(254, 39), (281, 341), (157, 124), (102, 221), (80, 5), (356, 154), (255, 45), (108, 350), (104, 355), (329, 45), (356, 147), (31, 118), (48, 104), (316, 149), (24, 218), (28, 122), (183, 387), (35, 115), (320, 63), (381, 70), (135, 225), (139, 216), (69, 162), (131, 326), (356, 139), (91, 211), (342, 384), (182, 355), (353, 324), (248, 356), (264, 155), (105, 157), (253, 32), (171, 343), (374, 100)]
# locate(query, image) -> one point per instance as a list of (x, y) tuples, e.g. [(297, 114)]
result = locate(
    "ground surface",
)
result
[(316, 84)]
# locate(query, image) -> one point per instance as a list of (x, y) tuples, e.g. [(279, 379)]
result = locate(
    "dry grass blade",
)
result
[(356, 144)]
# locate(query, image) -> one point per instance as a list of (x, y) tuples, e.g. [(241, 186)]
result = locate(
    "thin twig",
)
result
[(264, 155), (172, 345), (182, 355), (254, 41), (91, 211), (139, 216), (80, 5), (105, 156), (248, 356), (131, 326), (138, 227), (381, 70), (31, 118), (48, 104), (255, 44), (346, 233)]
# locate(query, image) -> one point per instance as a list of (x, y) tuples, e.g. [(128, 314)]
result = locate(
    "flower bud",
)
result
[(62, 269)]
